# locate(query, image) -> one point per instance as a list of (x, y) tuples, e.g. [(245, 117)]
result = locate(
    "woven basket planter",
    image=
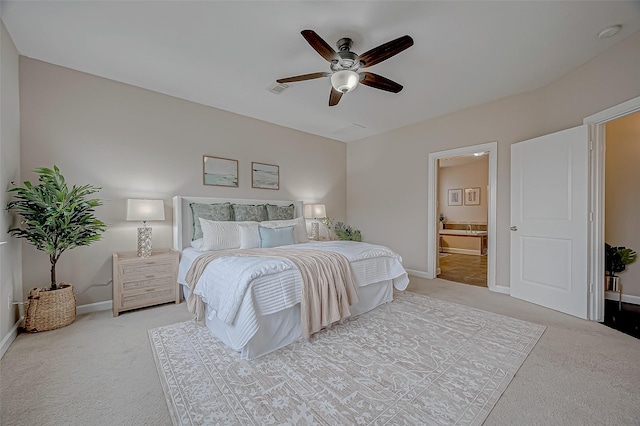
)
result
[(49, 309)]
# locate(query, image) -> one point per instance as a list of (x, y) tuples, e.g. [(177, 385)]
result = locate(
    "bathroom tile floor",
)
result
[(464, 268)]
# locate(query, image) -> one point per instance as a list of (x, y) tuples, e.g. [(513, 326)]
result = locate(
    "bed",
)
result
[(264, 313)]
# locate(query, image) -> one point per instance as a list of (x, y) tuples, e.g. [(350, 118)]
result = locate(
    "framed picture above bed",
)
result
[(265, 176), (219, 171)]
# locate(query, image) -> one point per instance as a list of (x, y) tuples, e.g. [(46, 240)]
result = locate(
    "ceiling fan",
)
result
[(345, 64)]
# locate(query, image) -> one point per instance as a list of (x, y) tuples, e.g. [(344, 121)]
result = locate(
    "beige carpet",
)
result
[(417, 360)]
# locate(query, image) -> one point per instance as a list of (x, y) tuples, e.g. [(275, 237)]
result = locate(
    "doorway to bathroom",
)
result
[(463, 184), (462, 215)]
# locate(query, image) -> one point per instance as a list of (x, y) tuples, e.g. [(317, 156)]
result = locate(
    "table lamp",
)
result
[(315, 211), (145, 210)]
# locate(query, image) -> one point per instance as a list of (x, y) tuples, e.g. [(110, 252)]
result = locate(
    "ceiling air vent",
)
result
[(348, 129), (278, 88)]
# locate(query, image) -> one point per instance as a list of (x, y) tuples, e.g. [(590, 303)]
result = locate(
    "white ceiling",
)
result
[(226, 53)]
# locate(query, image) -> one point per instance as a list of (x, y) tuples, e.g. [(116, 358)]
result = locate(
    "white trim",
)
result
[(626, 298), (432, 215), (595, 247), (625, 108), (94, 307), (418, 274), (9, 337), (502, 289)]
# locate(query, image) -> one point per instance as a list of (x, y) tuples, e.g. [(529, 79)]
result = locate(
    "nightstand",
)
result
[(139, 282)]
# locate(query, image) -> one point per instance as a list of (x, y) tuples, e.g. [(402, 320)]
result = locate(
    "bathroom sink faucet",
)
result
[(469, 227)]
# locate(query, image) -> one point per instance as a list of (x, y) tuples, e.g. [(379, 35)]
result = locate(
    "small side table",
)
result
[(139, 282)]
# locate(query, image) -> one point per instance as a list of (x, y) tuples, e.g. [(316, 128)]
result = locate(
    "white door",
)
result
[(549, 184)]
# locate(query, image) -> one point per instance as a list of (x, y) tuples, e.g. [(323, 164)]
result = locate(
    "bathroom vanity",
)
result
[(463, 241)]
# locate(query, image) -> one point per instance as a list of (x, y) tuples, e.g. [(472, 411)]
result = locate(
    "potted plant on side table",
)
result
[(54, 219), (616, 260)]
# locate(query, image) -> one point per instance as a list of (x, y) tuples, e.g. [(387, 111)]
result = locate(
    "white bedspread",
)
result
[(254, 286)]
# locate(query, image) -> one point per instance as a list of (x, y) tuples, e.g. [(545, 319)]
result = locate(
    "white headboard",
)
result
[(182, 218)]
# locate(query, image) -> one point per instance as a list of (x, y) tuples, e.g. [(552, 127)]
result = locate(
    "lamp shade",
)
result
[(145, 210), (314, 211), (344, 81)]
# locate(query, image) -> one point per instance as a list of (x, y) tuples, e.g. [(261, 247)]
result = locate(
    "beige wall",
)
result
[(622, 193), (140, 144), (10, 253), (391, 207), (473, 174)]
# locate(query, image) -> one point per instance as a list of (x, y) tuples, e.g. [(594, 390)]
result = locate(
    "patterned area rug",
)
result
[(416, 360)]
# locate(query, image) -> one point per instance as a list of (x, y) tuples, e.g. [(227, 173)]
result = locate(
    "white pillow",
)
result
[(197, 244), (299, 227), (219, 235), (249, 235)]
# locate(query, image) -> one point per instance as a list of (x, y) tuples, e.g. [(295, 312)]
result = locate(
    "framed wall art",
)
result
[(265, 176), (219, 171), (472, 196), (455, 197)]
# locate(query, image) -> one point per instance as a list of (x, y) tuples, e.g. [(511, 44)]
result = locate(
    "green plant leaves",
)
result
[(617, 258), (54, 217), (346, 232)]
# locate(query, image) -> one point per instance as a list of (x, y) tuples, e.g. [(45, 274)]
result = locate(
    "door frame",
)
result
[(597, 143), (432, 206)]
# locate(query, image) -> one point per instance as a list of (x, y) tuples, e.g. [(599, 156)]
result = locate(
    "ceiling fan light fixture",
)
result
[(344, 81)]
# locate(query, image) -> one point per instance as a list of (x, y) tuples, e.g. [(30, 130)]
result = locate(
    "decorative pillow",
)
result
[(248, 212), (275, 237), (280, 212), (197, 244), (219, 235), (299, 224), (249, 235), (217, 212)]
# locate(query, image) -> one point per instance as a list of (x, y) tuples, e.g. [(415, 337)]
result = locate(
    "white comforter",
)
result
[(227, 279), (226, 282)]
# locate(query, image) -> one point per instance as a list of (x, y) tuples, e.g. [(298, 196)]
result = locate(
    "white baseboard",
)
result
[(418, 274), (626, 298), (94, 307), (501, 289), (9, 338)]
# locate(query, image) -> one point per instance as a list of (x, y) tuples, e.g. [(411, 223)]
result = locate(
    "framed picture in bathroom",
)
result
[(455, 197), (471, 196)]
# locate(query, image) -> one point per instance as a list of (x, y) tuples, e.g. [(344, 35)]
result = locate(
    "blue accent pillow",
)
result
[(275, 237)]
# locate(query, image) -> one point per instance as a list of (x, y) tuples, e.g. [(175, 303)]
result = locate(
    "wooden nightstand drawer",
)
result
[(148, 282), (152, 296), (144, 281), (134, 271)]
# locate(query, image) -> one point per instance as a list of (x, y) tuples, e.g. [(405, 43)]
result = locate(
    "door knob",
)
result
[(514, 228)]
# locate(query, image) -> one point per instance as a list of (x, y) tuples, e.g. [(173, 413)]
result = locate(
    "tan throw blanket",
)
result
[(327, 285)]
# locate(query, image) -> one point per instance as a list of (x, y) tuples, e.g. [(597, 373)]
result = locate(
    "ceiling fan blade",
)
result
[(303, 77), (379, 82), (319, 45), (334, 97), (385, 51)]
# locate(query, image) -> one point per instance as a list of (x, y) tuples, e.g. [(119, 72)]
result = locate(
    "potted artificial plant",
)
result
[(54, 219), (346, 232), (616, 260)]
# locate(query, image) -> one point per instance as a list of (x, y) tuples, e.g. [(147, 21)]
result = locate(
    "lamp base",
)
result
[(144, 242), (315, 231)]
